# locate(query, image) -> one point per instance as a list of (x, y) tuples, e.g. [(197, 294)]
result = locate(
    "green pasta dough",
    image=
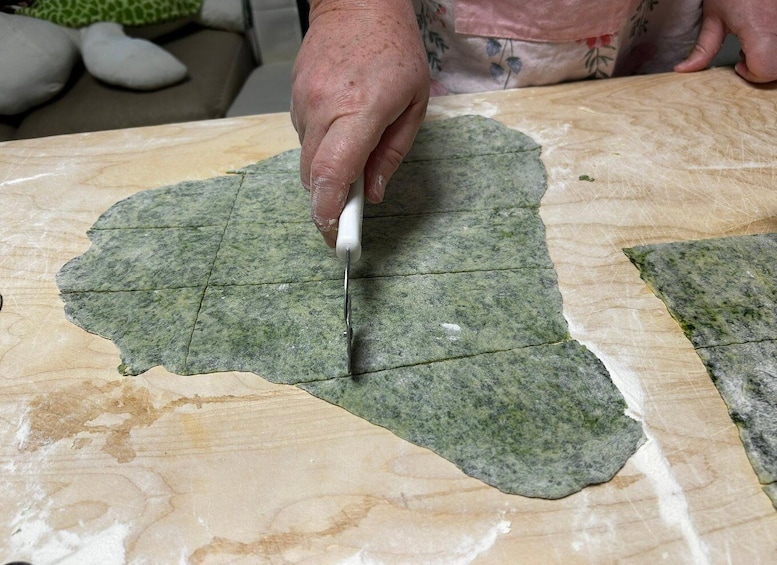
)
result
[(460, 342), (723, 292)]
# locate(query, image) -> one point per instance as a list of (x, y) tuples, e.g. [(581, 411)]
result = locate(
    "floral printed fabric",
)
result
[(653, 36), (549, 20)]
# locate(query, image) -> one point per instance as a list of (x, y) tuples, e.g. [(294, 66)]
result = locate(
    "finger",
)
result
[(338, 160), (298, 82), (295, 121), (392, 148), (304, 164), (309, 138), (713, 32), (310, 141), (759, 58)]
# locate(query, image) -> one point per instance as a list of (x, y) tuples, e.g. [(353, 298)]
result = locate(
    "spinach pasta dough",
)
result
[(461, 345)]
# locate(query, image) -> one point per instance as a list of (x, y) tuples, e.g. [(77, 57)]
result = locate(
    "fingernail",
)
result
[(327, 198), (327, 227), (379, 189), (383, 172)]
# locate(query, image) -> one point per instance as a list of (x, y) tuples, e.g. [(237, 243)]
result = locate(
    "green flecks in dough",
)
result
[(272, 198), (723, 290), (242, 327), (151, 327), (478, 182), (498, 422), (422, 318), (188, 204), (723, 293), (746, 376), (254, 253), (454, 242), (143, 259), (456, 305), (466, 137)]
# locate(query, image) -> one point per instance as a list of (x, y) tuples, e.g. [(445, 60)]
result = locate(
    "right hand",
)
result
[(359, 95)]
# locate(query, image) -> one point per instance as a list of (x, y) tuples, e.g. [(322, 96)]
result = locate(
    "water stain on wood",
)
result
[(109, 409), (346, 517)]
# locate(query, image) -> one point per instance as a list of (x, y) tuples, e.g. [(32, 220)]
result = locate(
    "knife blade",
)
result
[(349, 249)]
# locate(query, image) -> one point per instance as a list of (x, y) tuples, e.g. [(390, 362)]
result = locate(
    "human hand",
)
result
[(360, 87), (754, 22)]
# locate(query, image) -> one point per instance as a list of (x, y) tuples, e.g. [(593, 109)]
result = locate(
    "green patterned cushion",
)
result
[(81, 13)]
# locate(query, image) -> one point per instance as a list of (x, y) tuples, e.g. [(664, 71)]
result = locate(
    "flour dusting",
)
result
[(671, 500), (470, 549), (23, 431), (35, 540), (25, 179), (650, 459), (477, 106), (467, 551), (452, 330)]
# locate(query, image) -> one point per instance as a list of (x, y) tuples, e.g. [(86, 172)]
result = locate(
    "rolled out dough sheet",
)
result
[(461, 343), (723, 293)]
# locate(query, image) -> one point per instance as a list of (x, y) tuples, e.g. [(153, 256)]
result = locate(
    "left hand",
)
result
[(754, 22)]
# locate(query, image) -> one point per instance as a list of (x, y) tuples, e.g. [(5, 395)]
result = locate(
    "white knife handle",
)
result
[(349, 234)]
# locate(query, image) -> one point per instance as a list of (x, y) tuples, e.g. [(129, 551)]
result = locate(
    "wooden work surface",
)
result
[(228, 468)]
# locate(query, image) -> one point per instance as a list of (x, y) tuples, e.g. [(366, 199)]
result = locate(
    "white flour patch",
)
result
[(360, 558), (626, 381), (102, 548), (548, 136), (650, 459), (484, 108), (595, 532), (452, 331), (671, 500), (476, 106), (25, 179), (31, 537), (23, 432), (470, 549), (36, 541), (443, 111)]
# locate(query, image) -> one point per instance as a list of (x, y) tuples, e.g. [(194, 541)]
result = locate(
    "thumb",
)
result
[(711, 37), (758, 62), (337, 162)]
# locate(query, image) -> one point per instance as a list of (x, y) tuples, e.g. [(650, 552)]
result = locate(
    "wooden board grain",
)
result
[(228, 468)]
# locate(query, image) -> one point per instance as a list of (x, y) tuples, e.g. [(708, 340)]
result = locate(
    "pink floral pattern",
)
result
[(654, 36), (600, 55)]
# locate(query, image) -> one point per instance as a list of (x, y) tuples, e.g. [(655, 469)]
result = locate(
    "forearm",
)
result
[(388, 13), (397, 6)]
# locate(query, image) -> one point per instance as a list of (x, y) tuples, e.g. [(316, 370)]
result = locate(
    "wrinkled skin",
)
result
[(361, 86), (754, 22)]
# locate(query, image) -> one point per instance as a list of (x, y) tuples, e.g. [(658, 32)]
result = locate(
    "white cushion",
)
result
[(36, 59), (112, 57)]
